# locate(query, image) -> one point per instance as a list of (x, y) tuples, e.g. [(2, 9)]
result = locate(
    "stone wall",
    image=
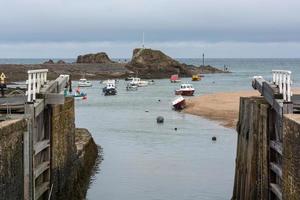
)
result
[(251, 173), (11, 159), (291, 157), (74, 154)]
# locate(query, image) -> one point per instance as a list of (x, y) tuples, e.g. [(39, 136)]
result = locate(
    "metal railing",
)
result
[(36, 80), (282, 79)]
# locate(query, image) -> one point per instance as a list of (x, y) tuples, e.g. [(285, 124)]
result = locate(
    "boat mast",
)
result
[(143, 40)]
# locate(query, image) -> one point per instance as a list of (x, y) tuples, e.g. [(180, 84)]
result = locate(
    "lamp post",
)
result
[(203, 59)]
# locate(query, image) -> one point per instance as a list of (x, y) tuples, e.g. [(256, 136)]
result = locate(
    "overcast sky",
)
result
[(182, 28)]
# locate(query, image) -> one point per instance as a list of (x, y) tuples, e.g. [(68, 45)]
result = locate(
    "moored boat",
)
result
[(110, 88), (185, 90), (131, 87), (196, 77), (77, 94), (139, 82), (175, 78), (84, 83), (179, 103)]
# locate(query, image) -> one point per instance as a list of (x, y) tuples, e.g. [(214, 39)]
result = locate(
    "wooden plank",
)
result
[(28, 149), (276, 168), (40, 146), (41, 168), (53, 98), (257, 84), (50, 87), (38, 107), (277, 146), (62, 82), (41, 189), (276, 190)]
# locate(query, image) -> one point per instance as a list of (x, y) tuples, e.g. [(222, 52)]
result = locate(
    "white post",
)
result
[(280, 82), (38, 83), (29, 88), (289, 93), (284, 87), (34, 87), (274, 77)]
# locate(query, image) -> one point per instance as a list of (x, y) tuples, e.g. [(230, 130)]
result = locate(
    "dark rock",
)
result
[(214, 138), (49, 62), (94, 58), (61, 62), (148, 63)]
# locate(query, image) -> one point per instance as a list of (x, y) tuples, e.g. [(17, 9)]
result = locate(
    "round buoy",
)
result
[(175, 129), (159, 100), (146, 110), (214, 138), (160, 119)]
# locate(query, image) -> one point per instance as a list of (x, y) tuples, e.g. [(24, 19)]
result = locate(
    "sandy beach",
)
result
[(222, 107)]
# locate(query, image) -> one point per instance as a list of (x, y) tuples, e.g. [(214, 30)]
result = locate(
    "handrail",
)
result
[(36, 80), (282, 79)]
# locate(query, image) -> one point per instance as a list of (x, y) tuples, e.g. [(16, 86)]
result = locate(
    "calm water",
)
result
[(147, 161)]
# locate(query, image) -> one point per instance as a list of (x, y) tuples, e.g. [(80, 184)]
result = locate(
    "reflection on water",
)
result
[(146, 160)]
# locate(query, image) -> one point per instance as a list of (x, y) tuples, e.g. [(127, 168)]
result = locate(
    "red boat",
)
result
[(185, 90), (179, 103), (175, 78)]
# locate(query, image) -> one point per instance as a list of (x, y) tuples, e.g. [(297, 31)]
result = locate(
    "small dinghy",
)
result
[(77, 94), (179, 103), (131, 87), (84, 83)]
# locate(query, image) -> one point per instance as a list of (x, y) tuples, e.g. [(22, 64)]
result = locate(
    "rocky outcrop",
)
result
[(149, 63), (49, 62), (94, 58), (61, 62)]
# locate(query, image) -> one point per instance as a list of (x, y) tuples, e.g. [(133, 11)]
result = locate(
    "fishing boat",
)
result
[(139, 82), (110, 88), (179, 103), (151, 82), (175, 78), (196, 77), (128, 78), (131, 87), (185, 90), (84, 83)]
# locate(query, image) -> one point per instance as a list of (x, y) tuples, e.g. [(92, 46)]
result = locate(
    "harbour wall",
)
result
[(252, 173), (73, 156)]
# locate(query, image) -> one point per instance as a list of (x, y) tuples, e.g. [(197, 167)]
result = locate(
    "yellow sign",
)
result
[(2, 78)]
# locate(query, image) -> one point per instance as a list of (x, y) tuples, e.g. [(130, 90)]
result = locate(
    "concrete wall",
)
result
[(11, 159), (251, 173), (291, 157)]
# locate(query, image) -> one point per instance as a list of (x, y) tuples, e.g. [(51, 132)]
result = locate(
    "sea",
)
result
[(143, 160)]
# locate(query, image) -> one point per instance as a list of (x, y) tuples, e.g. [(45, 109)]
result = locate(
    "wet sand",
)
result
[(222, 107)]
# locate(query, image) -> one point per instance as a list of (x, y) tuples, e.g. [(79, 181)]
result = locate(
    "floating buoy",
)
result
[(146, 110), (160, 119), (175, 129), (214, 138), (159, 100)]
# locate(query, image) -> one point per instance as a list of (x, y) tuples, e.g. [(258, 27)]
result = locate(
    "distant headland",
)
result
[(145, 63)]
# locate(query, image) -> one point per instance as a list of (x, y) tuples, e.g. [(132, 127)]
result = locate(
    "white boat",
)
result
[(179, 103), (131, 87), (110, 88), (84, 83), (139, 82), (109, 81), (185, 90)]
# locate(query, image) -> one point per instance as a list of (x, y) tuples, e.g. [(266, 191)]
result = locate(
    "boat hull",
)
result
[(179, 105), (185, 92), (175, 81), (109, 92)]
